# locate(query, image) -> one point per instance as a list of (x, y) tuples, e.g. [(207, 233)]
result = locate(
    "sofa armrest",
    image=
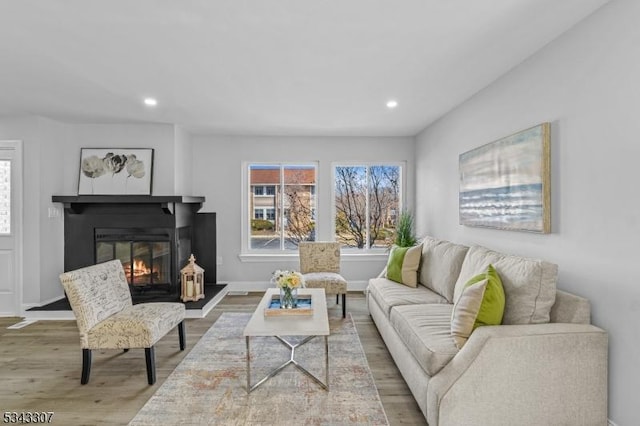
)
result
[(524, 374)]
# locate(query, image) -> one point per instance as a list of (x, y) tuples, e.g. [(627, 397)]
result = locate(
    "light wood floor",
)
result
[(40, 368)]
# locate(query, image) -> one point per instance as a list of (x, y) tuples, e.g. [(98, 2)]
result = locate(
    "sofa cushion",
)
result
[(403, 264), (481, 303), (426, 331), (529, 284), (138, 326), (388, 294), (440, 266)]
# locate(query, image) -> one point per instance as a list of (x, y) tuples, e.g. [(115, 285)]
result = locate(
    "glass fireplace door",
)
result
[(146, 263)]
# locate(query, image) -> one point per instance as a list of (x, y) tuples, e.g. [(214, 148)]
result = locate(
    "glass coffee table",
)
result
[(314, 325)]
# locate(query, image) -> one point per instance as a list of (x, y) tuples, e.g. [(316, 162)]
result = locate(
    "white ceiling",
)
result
[(270, 67)]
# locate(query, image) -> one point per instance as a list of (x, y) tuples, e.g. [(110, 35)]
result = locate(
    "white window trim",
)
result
[(265, 255), (347, 255)]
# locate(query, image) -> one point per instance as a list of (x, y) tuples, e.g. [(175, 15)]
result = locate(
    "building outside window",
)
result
[(285, 196)]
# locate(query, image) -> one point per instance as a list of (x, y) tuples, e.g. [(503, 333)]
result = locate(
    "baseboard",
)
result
[(237, 287), (201, 313), (48, 316), (246, 286), (69, 316), (27, 306), (21, 324)]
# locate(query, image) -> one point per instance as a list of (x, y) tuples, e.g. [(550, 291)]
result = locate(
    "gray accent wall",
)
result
[(586, 83)]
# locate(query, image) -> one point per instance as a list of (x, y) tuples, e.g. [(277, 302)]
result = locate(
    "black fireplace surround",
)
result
[(152, 236)]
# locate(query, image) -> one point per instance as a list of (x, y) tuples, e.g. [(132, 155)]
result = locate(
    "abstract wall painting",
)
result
[(115, 171), (506, 184)]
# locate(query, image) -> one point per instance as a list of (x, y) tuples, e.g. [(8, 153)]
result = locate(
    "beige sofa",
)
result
[(545, 365)]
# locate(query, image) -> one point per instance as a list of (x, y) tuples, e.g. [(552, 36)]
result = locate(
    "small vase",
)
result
[(288, 298)]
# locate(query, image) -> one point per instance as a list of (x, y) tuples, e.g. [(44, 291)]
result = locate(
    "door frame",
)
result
[(17, 204)]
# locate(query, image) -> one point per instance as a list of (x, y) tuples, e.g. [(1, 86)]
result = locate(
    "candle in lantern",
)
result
[(190, 287), (192, 277)]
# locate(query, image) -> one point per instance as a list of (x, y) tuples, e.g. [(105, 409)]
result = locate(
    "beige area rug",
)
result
[(209, 386)]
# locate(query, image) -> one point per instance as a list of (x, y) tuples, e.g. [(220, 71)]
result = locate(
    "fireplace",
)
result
[(145, 254), (152, 236)]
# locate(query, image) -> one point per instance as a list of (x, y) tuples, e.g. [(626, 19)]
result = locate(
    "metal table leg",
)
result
[(291, 360)]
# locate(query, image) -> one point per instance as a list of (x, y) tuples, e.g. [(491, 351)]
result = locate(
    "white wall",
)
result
[(26, 129), (43, 168), (51, 165), (183, 152), (186, 165), (161, 137), (217, 168), (52, 136), (586, 84)]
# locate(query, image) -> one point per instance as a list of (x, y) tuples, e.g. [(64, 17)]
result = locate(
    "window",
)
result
[(284, 195), (5, 197), (264, 190), (366, 200), (271, 214)]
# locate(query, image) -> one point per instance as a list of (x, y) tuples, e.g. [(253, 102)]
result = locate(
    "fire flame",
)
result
[(140, 269)]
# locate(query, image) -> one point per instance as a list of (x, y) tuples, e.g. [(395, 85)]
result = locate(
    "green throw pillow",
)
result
[(403, 264), (480, 303)]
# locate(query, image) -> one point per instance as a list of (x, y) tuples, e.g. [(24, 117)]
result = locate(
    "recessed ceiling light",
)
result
[(150, 102), (392, 104)]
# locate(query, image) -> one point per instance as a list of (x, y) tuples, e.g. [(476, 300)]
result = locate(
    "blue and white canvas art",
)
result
[(505, 184)]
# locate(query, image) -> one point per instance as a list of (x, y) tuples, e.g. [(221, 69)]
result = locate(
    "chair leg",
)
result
[(181, 335), (151, 364), (86, 366), (344, 305)]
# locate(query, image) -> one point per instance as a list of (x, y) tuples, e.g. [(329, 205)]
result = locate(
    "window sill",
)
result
[(266, 257), (345, 257)]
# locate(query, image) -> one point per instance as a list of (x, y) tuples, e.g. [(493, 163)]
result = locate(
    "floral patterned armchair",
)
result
[(320, 266), (101, 301)]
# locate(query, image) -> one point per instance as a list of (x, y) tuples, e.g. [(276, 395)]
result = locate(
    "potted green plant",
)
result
[(405, 236)]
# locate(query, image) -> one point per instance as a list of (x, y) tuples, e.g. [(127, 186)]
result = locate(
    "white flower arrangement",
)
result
[(288, 279)]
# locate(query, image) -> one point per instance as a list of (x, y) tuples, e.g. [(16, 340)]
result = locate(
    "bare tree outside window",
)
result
[(299, 205), (367, 199), (351, 205)]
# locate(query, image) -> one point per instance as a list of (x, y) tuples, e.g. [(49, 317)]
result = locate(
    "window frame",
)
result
[(247, 213), (402, 189)]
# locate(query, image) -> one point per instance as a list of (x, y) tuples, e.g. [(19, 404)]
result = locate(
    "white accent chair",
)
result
[(101, 301), (320, 266)]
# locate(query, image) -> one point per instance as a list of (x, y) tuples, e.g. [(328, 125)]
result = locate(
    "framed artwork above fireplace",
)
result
[(115, 171)]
